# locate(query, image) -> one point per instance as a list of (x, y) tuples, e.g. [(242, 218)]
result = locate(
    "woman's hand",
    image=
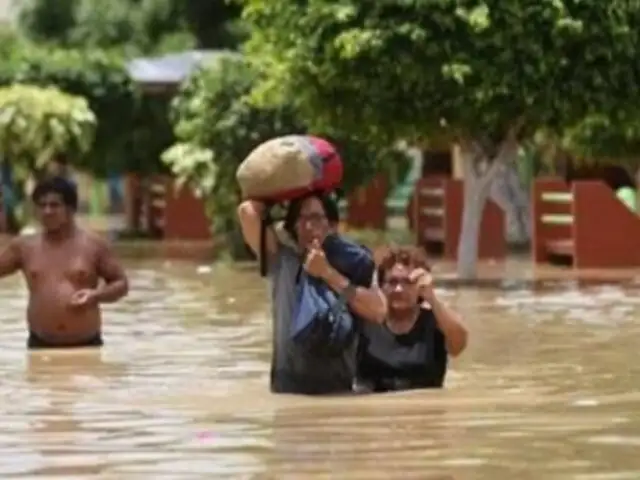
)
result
[(424, 282)]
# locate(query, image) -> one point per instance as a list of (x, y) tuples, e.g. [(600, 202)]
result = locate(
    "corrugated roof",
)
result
[(172, 68)]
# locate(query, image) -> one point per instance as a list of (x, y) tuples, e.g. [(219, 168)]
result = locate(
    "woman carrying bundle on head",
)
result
[(322, 285)]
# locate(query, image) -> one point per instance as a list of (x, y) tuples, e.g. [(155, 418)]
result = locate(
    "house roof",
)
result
[(173, 68)]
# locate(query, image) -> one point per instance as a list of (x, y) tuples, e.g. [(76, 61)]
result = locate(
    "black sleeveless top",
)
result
[(416, 359)]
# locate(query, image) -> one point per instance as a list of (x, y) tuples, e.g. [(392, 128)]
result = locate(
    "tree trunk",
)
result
[(480, 170), (476, 193), (509, 193)]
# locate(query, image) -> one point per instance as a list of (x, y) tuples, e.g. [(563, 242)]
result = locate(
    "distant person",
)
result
[(621, 182), (309, 221), (410, 349), (116, 193), (628, 196), (63, 265)]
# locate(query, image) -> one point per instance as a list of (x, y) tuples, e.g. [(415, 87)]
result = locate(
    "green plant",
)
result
[(98, 76), (216, 128), (37, 124), (217, 125)]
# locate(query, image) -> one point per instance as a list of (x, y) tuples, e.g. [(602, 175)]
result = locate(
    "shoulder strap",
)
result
[(265, 222)]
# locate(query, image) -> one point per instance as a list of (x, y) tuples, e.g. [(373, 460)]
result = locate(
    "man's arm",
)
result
[(11, 258), (370, 303), (250, 217), (110, 270)]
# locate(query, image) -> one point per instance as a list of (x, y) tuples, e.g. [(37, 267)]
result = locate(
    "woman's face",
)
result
[(400, 291), (312, 224)]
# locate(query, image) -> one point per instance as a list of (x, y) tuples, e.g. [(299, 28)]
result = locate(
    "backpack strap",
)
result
[(266, 221)]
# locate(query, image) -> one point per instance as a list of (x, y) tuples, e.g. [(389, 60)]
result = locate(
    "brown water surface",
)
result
[(549, 389)]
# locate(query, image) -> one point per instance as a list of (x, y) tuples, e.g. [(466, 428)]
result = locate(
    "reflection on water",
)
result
[(548, 389)]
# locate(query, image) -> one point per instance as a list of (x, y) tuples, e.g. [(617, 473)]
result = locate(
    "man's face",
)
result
[(312, 223), (52, 213)]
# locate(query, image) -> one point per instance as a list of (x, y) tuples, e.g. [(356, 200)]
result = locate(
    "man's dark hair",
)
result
[(329, 205), (60, 186)]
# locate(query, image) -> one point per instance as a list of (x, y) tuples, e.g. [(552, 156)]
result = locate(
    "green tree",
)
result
[(214, 23), (216, 127), (99, 77), (48, 21), (38, 124), (137, 26), (487, 73), (602, 138)]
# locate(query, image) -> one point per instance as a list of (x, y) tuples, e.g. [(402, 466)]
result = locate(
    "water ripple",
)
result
[(547, 389)]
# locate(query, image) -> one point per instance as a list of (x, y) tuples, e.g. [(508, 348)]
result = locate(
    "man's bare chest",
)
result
[(70, 262)]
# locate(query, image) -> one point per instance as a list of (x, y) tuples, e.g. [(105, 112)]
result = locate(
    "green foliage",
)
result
[(137, 26), (215, 24), (10, 42), (99, 77), (48, 21), (37, 124), (216, 128), (363, 161), (398, 69), (600, 138)]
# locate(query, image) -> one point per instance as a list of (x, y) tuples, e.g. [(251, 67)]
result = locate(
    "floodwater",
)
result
[(548, 389)]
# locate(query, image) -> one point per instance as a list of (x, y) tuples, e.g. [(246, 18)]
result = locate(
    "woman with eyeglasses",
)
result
[(410, 349)]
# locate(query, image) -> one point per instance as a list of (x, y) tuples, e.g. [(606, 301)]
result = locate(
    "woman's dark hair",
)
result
[(329, 205), (60, 186), (412, 257)]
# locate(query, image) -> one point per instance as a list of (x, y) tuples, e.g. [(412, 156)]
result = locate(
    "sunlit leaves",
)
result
[(193, 165), (477, 17), (99, 77), (38, 123)]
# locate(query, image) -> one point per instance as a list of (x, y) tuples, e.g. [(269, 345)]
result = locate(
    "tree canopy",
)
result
[(37, 124), (139, 26), (96, 75), (397, 69), (217, 126)]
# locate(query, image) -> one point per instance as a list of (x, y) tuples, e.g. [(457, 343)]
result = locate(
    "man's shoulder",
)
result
[(93, 239), (23, 240)]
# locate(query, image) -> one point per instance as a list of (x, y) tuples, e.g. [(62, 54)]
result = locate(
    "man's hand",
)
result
[(316, 264), (424, 281), (83, 298)]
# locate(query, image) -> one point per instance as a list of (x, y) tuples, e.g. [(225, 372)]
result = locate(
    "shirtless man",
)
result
[(63, 265)]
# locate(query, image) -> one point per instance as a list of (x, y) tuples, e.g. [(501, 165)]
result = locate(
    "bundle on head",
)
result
[(285, 168)]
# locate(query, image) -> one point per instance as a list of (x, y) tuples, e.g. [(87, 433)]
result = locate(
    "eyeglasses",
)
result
[(313, 218), (394, 283)]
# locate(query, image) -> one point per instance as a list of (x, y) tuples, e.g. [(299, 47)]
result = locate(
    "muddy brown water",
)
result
[(548, 389)]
